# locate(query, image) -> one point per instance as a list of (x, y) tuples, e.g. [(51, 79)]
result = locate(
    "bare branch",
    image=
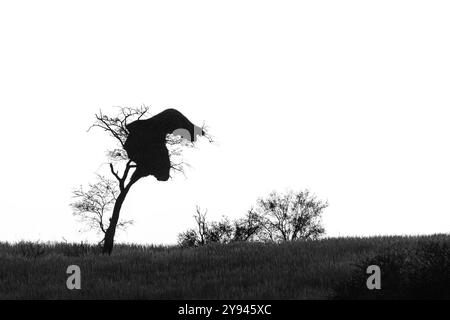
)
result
[(114, 173), (125, 174), (92, 206)]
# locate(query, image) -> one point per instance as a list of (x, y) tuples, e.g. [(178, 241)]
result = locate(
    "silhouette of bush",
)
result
[(223, 231), (290, 216), (188, 239), (422, 272), (213, 232)]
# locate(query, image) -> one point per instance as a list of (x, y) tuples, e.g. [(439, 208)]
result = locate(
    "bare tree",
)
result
[(93, 206), (290, 216), (195, 237), (202, 226)]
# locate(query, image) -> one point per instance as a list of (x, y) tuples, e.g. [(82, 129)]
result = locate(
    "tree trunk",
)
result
[(111, 231)]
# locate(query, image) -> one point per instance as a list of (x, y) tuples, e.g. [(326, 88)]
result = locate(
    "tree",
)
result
[(195, 237), (92, 207), (290, 216), (124, 170), (202, 226)]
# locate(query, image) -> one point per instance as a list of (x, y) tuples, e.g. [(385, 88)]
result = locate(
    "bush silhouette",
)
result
[(419, 273), (223, 231)]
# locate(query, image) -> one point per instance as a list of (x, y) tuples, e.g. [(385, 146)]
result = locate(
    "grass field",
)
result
[(300, 270)]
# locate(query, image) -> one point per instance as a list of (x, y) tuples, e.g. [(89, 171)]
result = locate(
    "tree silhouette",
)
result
[(290, 216), (92, 206), (142, 150)]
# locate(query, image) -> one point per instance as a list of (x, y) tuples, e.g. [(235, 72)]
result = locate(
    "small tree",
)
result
[(290, 216), (93, 206), (202, 226), (195, 237)]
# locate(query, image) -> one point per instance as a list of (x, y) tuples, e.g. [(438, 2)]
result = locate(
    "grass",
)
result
[(300, 270)]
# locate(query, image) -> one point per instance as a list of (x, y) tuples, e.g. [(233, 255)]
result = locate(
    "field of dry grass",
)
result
[(299, 270)]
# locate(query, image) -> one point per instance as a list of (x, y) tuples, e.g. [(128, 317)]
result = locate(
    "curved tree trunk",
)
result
[(111, 231)]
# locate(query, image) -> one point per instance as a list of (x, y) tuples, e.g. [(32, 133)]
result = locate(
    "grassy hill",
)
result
[(300, 270)]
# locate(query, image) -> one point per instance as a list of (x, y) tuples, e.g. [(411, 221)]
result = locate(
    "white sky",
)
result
[(347, 98)]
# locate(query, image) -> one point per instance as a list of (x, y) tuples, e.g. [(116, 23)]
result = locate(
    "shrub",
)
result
[(419, 273), (188, 238), (223, 231)]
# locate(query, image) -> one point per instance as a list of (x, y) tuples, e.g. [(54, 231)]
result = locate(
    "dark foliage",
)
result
[(223, 231), (422, 272), (291, 216), (188, 238)]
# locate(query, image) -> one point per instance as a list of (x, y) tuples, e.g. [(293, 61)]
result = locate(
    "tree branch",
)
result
[(114, 173)]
